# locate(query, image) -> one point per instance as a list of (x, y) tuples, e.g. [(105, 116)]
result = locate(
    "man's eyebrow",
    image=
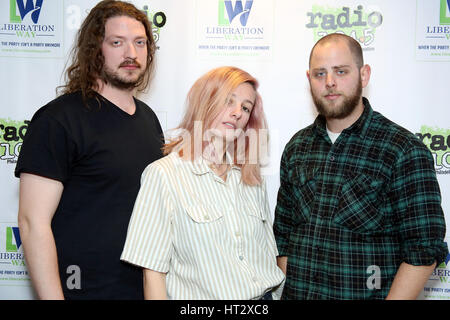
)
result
[(334, 67), (342, 66), (124, 37)]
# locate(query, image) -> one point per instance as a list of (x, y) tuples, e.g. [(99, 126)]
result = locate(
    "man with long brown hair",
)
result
[(82, 158)]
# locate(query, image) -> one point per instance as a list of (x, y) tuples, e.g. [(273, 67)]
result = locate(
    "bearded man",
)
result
[(82, 158), (358, 213)]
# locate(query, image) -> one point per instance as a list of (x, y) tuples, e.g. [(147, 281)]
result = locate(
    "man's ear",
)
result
[(307, 75), (365, 75)]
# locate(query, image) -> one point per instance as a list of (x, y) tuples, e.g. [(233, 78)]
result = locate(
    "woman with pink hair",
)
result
[(201, 226)]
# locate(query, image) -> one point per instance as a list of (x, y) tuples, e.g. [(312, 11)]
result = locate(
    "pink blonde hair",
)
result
[(204, 102)]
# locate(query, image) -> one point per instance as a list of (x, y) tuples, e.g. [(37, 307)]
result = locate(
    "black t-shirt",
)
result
[(98, 153)]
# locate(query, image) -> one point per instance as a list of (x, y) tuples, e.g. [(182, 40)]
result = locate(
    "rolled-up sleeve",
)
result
[(149, 236), (418, 208)]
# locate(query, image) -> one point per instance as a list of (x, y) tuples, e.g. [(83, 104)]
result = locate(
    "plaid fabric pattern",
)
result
[(354, 210)]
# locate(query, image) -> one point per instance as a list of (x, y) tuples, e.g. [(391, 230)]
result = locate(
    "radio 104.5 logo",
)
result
[(11, 139), (359, 23), (438, 142)]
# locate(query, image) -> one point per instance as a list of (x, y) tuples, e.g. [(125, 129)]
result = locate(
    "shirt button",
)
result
[(238, 234), (206, 217), (332, 158), (241, 258)]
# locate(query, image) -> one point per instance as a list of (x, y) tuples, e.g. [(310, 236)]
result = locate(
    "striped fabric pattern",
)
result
[(214, 239)]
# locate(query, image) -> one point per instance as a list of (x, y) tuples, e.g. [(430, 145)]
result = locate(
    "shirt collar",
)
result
[(200, 166), (359, 127)]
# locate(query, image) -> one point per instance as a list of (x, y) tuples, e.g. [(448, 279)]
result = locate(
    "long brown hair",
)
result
[(205, 100), (87, 57)]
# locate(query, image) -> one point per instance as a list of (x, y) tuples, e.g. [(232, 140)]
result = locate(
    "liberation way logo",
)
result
[(433, 30), (31, 28), (437, 286), (12, 260), (29, 8), (238, 28)]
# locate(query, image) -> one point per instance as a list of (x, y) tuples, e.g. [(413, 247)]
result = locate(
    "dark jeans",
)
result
[(267, 296)]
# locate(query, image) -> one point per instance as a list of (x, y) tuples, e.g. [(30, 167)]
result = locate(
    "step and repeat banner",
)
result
[(406, 42)]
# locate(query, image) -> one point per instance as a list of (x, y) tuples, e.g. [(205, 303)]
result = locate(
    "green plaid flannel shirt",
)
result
[(353, 211)]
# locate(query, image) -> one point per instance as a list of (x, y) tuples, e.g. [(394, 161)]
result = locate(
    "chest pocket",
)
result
[(252, 210), (204, 213), (303, 186), (359, 203)]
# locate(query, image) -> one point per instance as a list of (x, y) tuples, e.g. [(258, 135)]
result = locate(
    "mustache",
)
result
[(130, 62)]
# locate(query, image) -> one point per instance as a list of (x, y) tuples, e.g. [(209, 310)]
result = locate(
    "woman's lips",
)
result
[(230, 125)]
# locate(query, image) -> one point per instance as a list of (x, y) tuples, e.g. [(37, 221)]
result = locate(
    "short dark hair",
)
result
[(353, 45)]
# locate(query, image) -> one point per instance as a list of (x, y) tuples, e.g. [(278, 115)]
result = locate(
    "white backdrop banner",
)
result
[(407, 44)]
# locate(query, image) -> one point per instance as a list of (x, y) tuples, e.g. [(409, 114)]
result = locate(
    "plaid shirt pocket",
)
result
[(359, 203)]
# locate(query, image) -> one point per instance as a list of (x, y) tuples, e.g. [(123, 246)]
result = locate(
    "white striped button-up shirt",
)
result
[(213, 238)]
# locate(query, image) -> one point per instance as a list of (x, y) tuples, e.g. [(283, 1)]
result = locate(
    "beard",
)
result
[(126, 82), (338, 111)]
